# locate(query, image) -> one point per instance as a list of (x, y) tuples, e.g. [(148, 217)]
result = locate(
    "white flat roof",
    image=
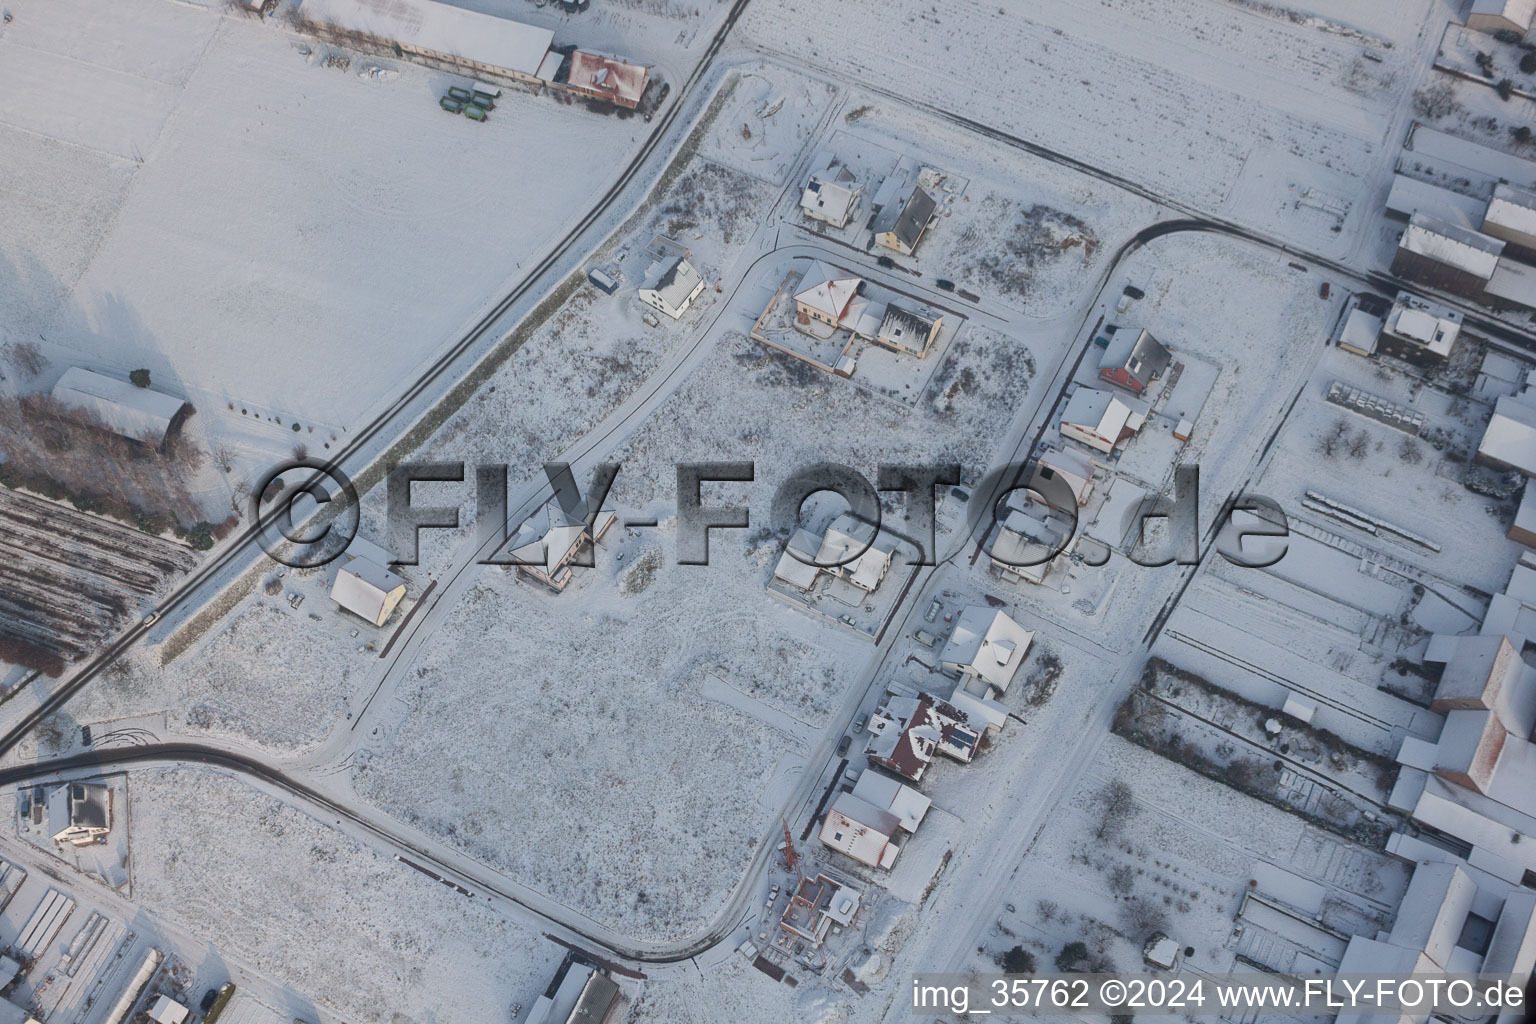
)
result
[(133, 412), (439, 27), (1456, 246), (1410, 196), (1512, 208)]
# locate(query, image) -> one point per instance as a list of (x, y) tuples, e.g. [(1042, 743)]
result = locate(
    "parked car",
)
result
[(885, 261), (1322, 292), (946, 284), (860, 723), (843, 745)]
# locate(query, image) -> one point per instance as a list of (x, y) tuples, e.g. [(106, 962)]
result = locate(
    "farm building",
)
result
[(671, 284), (1509, 442), (78, 812), (831, 195), (579, 993), (607, 78), (1494, 15), (1419, 331), (1511, 216), (545, 546), (367, 590), (900, 224), (1443, 255), (862, 831), (987, 645), (1133, 359), (138, 414), (1099, 419), (906, 331), (437, 34)]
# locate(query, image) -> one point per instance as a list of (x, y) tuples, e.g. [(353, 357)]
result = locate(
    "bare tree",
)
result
[(1436, 101), (1409, 451), (25, 357), (1142, 917), (1117, 805)]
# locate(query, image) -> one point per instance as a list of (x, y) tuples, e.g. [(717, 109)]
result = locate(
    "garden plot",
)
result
[(1143, 845), (1355, 461), (267, 884), (1480, 112), (1283, 86), (244, 232)]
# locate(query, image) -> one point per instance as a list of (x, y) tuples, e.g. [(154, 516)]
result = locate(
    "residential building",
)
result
[(671, 285), (907, 804), (1509, 441), (906, 331), (816, 907), (1447, 256), (1099, 419), (831, 195), (1511, 216), (1493, 15), (859, 829), (987, 645), (908, 732), (1523, 529), (1063, 478), (1360, 332), (834, 297), (849, 534), (1133, 359), (547, 545), (606, 78), (79, 812), (139, 414), (900, 223), (1030, 537), (797, 564), (438, 34), (1419, 331), (367, 589)]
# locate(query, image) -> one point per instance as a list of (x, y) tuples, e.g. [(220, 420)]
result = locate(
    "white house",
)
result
[(78, 812), (847, 534), (882, 791), (831, 195), (546, 543), (1099, 419), (1029, 539), (862, 831), (988, 645), (367, 590), (671, 285), (796, 564)]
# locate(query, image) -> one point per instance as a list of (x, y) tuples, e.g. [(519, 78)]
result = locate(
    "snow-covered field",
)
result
[(216, 203), (344, 925)]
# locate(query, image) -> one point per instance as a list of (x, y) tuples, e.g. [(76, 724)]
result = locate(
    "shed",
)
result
[(1359, 333), (436, 31), (139, 414), (367, 590)]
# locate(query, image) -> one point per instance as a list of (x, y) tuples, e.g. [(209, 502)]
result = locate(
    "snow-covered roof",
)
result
[(1513, 209), (1514, 282), (1069, 468), (438, 28), (1525, 515), (1099, 411), (167, 1011), (1479, 672), (1410, 196), (797, 571), (618, 80), (828, 289), (980, 712), (79, 808), (988, 644), (1511, 435), (1423, 322), (1136, 352), (904, 327), (1512, 948), (1433, 910), (906, 803), (672, 280), (907, 216), (849, 533), (1360, 331), (367, 589), (134, 412), (1470, 159), (1469, 747), (830, 193), (1444, 242), (861, 830), (1521, 12)]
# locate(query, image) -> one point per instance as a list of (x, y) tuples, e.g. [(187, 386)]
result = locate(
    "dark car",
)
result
[(1323, 290), (843, 745), (946, 284), (885, 261)]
